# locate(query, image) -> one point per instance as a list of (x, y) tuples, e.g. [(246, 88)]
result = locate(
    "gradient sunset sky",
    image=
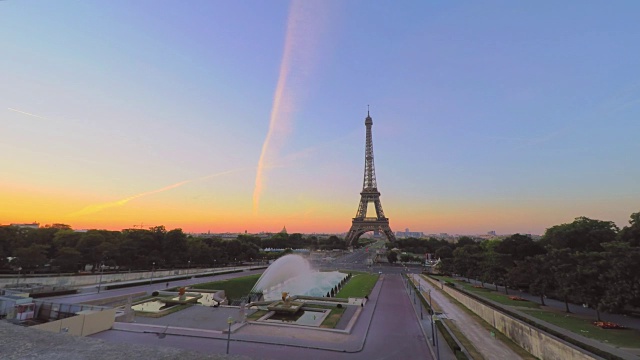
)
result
[(228, 116)]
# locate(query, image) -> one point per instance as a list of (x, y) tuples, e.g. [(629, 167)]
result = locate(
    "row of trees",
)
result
[(59, 247), (587, 261)]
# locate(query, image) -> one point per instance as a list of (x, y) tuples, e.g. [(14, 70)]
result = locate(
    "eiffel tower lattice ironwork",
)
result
[(361, 223)]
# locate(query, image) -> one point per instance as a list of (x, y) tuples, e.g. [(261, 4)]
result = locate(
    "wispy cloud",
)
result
[(304, 23), (28, 114), (92, 209)]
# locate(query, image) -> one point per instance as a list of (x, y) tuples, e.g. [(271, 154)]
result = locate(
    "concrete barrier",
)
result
[(537, 342), (85, 323), (85, 280)]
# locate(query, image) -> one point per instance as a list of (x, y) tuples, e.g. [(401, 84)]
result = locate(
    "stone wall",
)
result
[(86, 323), (85, 280), (537, 342)]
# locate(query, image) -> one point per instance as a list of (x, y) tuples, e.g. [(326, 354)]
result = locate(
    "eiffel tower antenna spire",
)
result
[(361, 222)]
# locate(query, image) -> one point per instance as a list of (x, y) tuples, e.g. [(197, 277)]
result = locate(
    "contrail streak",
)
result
[(91, 209), (26, 113), (303, 23)]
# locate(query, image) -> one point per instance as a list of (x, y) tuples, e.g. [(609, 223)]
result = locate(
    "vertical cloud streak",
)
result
[(304, 22)]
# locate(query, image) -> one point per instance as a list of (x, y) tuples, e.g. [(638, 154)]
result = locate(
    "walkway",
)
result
[(490, 348)]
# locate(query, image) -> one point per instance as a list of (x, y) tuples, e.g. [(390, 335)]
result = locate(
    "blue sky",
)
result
[(490, 115)]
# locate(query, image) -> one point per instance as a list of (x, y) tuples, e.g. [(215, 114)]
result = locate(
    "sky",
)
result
[(233, 116)]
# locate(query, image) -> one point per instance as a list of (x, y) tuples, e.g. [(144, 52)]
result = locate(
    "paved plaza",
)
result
[(385, 328)]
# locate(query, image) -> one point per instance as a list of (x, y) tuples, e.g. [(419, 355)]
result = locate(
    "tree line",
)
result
[(587, 261), (57, 247)]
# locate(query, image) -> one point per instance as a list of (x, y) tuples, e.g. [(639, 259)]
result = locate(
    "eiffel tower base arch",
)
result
[(360, 227)]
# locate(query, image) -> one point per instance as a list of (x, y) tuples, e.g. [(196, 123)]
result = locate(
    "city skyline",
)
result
[(225, 117)]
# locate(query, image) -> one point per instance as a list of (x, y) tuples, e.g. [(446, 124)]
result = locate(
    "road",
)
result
[(490, 348)]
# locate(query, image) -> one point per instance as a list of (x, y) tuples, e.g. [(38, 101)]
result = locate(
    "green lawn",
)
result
[(332, 319), (498, 297), (581, 326), (359, 286), (233, 288)]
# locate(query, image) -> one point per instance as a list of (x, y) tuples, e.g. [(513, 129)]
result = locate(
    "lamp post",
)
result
[(229, 321), (188, 264), (100, 282), (420, 290), (19, 273), (433, 331), (153, 268), (435, 338)]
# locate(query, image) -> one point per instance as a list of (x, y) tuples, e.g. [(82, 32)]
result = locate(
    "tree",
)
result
[(464, 241), (494, 268), (444, 252), (621, 276), (174, 247), (631, 234), (583, 234), (519, 247), (562, 265), (591, 287), (88, 247), (466, 260), (392, 257), (32, 257), (68, 259), (406, 258), (534, 273)]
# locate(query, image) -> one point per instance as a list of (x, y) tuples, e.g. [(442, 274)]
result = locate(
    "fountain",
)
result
[(293, 274)]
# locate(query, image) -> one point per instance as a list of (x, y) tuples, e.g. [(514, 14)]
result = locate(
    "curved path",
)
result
[(490, 348)]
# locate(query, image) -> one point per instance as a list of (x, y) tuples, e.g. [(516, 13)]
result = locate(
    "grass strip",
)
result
[(257, 315), (359, 286), (468, 345), (627, 338), (451, 342), (332, 319), (163, 313), (233, 288), (495, 296)]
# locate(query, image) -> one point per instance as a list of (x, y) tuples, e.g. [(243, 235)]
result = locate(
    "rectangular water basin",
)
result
[(302, 317)]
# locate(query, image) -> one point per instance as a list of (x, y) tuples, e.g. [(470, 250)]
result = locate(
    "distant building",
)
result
[(409, 234), (492, 233), (33, 225)]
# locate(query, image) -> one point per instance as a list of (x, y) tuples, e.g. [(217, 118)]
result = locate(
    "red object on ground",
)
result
[(607, 325)]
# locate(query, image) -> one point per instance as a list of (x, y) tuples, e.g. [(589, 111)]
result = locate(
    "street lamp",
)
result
[(189, 264), (153, 268), (420, 290), (229, 321), (100, 282), (19, 273), (433, 313), (435, 337)]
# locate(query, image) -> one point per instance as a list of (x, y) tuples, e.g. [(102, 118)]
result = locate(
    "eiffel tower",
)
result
[(361, 223)]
